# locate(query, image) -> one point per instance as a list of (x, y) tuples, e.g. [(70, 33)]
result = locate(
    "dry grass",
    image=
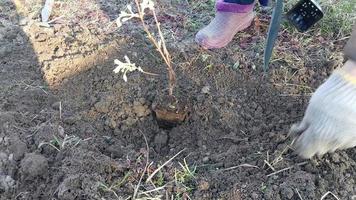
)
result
[(169, 180)]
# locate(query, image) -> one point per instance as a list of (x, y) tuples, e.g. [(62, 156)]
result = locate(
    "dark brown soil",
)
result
[(58, 83)]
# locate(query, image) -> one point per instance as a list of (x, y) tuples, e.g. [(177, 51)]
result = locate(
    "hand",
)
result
[(329, 123)]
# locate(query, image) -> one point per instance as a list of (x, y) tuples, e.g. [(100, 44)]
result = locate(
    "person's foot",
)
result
[(223, 28)]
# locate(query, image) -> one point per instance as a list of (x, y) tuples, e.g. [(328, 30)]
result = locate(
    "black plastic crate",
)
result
[(305, 14)]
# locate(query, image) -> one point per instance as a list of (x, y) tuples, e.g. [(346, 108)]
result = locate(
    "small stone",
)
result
[(61, 131), (256, 130), (130, 121), (121, 114), (59, 52), (92, 100), (161, 138), (137, 103), (56, 105), (41, 37), (221, 100), (33, 165), (268, 193), (141, 110), (124, 128), (23, 21), (203, 186), (287, 192), (6, 141), (4, 51), (71, 120), (253, 105), (118, 85), (102, 106), (11, 157), (254, 195), (18, 149), (142, 101), (68, 189), (205, 90), (112, 123), (6, 183), (271, 135), (206, 159), (3, 157), (127, 109), (115, 151), (335, 158)]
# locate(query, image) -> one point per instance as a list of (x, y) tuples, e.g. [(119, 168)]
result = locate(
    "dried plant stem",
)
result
[(160, 46), (285, 169), (144, 170), (164, 164), (149, 73)]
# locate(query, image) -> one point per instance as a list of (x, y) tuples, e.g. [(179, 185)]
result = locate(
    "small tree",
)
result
[(159, 42)]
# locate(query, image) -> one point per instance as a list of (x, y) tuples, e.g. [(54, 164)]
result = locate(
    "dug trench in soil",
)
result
[(234, 129)]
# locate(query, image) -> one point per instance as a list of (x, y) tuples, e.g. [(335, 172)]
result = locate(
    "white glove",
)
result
[(330, 119)]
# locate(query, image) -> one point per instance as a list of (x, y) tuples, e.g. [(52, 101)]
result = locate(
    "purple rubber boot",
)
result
[(230, 18)]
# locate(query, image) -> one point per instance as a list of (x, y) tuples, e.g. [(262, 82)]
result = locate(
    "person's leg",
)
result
[(264, 3), (231, 17)]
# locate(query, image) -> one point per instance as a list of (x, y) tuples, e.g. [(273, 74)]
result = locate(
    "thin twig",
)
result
[(164, 164), (144, 171), (238, 166), (150, 36), (288, 168), (60, 110), (55, 19), (149, 73), (279, 157), (154, 190), (326, 194), (160, 46), (109, 189), (269, 165), (171, 73), (299, 195), (21, 193), (296, 95), (31, 86), (50, 144)]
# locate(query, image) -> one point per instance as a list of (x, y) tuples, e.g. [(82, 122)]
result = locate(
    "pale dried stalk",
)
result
[(160, 46)]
